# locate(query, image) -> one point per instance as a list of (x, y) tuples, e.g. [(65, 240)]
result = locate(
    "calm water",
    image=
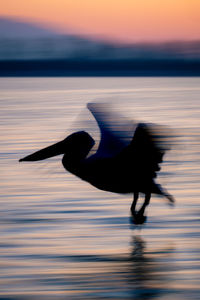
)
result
[(63, 239)]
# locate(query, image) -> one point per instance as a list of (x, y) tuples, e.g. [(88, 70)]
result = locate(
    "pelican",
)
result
[(126, 161)]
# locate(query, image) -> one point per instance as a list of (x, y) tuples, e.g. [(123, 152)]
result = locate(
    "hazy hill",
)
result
[(28, 49), (23, 40), (12, 29), (28, 41)]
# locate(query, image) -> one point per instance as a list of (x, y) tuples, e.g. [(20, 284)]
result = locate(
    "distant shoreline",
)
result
[(99, 68)]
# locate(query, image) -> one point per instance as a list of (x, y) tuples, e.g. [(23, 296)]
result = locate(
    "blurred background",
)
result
[(102, 38)]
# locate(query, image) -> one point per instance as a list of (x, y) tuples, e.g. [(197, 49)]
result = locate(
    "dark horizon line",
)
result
[(89, 67)]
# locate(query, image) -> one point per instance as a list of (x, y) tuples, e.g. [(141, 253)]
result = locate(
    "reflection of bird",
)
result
[(125, 162), (141, 273), (148, 273)]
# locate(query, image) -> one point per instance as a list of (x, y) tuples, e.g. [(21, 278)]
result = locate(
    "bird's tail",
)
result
[(158, 189)]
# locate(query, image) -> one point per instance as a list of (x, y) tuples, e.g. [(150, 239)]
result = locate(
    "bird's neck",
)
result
[(73, 164)]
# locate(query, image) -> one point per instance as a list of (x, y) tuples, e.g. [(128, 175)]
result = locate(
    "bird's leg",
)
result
[(138, 217), (133, 205), (146, 202)]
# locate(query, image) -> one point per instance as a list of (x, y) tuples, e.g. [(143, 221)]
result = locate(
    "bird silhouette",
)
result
[(126, 161)]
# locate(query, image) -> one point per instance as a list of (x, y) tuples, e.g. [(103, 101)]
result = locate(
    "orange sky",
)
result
[(122, 20)]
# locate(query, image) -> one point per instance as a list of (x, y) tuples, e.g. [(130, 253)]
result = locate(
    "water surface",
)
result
[(63, 239)]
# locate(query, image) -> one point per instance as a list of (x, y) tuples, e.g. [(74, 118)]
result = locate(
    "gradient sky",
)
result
[(121, 20)]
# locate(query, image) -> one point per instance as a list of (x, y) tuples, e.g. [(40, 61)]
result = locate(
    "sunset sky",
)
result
[(120, 20)]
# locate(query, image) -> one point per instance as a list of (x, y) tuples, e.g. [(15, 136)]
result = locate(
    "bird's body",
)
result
[(124, 167), (121, 173)]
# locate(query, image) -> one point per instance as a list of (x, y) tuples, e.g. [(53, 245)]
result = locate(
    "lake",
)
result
[(63, 239)]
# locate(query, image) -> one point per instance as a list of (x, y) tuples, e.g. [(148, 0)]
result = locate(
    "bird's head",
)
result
[(77, 145)]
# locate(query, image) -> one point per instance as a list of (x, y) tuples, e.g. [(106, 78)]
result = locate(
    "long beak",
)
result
[(47, 152)]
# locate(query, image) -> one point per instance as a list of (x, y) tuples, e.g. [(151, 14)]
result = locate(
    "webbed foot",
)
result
[(138, 218)]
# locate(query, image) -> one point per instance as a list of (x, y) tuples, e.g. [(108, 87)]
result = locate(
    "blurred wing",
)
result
[(149, 144), (145, 143), (116, 130)]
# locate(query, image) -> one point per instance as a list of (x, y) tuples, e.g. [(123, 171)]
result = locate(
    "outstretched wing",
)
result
[(142, 144), (116, 130)]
